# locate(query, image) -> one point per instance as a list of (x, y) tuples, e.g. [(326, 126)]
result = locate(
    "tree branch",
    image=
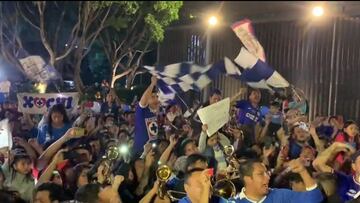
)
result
[(55, 42), (95, 34), (26, 18), (118, 77), (41, 9)]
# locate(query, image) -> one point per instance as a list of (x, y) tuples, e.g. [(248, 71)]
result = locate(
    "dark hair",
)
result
[(190, 172), (57, 108), (192, 159), (250, 90), (10, 197), (56, 192), (347, 124), (88, 193), (214, 91), (183, 145), (77, 172), (247, 168), (17, 158)]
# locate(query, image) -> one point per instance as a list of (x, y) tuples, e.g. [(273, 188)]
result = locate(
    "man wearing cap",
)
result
[(146, 123), (348, 185)]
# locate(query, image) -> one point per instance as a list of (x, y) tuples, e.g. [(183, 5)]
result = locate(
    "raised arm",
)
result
[(166, 154), (45, 177), (147, 94), (202, 140), (149, 160), (320, 163), (315, 136), (52, 149)]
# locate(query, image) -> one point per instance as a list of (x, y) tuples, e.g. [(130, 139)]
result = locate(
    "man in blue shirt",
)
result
[(146, 124), (348, 185), (256, 185), (249, 114), (249, 109)]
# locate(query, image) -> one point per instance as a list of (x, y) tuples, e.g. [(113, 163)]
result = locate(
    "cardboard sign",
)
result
[(215, 115), (39, 103)]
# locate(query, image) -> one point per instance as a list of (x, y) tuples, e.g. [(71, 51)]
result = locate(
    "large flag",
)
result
[(249, 66), (36, 69), (245, 32), (182, 77)]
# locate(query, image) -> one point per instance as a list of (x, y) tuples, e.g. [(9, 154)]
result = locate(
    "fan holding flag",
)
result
[(146, 125)]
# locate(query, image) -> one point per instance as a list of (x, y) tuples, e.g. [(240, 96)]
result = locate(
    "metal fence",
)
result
[(322, 59)]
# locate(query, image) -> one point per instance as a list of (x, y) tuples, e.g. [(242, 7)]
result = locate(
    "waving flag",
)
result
[(245, 32), (249, 66), (36, 69), (182, 77)]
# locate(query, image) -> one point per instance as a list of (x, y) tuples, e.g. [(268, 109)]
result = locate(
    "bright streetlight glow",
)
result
[(213, 21), (318, 11)]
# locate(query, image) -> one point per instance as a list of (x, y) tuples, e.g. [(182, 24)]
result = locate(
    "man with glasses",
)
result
[(256, 185)]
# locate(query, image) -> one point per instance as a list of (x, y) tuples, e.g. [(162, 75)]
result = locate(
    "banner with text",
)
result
[(32, 103)]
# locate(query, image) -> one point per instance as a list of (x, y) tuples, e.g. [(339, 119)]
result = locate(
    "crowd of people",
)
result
[(147, 152)]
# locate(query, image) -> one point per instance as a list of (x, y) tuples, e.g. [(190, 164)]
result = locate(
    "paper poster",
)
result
[(215, 115), (5, 134), (31, 103)]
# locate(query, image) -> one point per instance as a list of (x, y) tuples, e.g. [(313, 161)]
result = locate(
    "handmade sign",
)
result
[(39, 103), (215, 115)]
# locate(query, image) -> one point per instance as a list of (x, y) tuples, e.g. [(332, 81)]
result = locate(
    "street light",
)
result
[(213, 21), (318, 11)]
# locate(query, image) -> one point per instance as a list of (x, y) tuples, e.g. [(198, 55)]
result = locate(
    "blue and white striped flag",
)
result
[(182, 77), (249, 66)]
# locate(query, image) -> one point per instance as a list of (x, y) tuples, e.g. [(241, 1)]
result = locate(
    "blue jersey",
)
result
[(56, 133), (146, 127), (285, 196), (248, 114), (347, 186)]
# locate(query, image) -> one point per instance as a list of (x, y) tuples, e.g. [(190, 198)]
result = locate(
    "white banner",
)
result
[(39, 103), (5, 134), (215, 115)]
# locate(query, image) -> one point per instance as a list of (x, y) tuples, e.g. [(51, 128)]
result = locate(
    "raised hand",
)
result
[(173, 140), (296, 166), (204, 127)]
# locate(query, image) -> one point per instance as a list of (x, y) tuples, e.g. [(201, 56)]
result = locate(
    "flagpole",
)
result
[(176, 94)]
